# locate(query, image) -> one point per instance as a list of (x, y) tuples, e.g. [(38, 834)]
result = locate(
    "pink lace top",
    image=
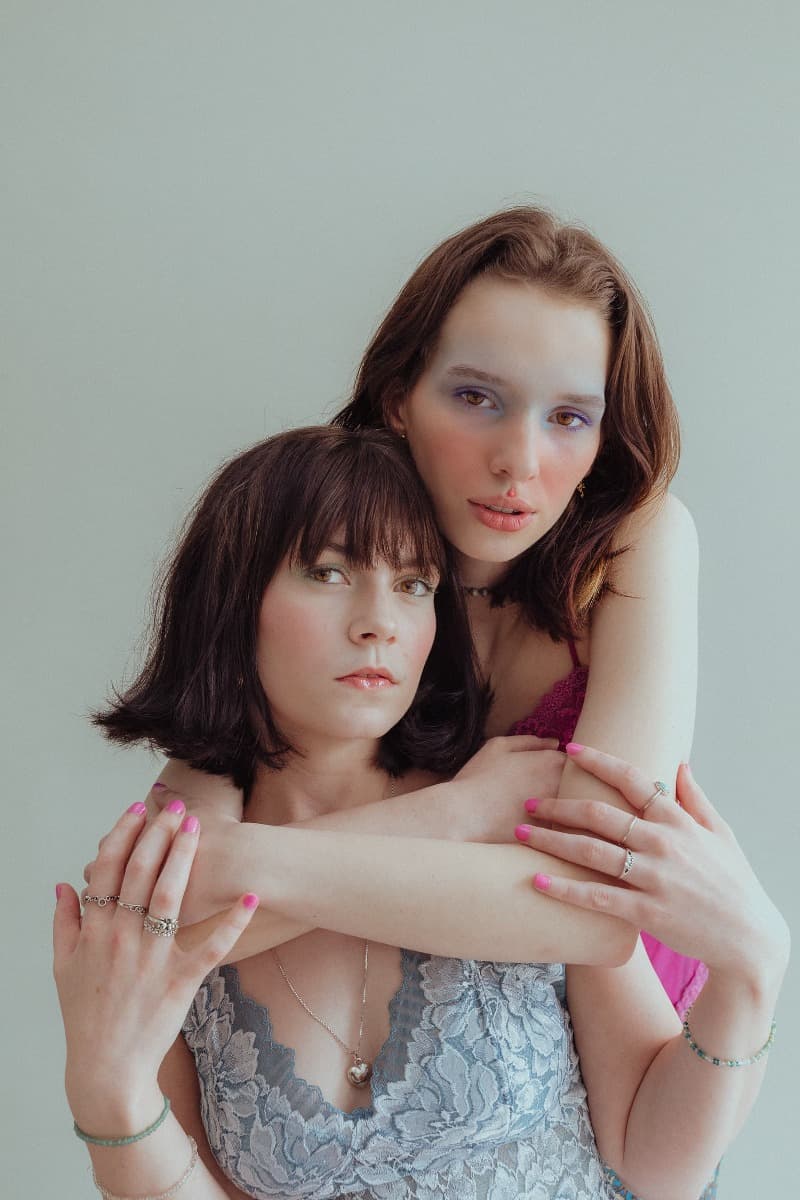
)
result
[(556, 716)]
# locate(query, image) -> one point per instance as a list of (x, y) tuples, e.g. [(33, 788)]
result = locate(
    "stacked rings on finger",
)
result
[(100, 901), (624, 841), (628, 867), (141, 909), (661, 790), (161, 926)]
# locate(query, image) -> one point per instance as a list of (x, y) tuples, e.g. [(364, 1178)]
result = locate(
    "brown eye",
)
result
[(473, 399), (416, 587), (568, 420)]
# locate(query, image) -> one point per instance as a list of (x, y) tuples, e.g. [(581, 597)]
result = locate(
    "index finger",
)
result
[(644, 794)]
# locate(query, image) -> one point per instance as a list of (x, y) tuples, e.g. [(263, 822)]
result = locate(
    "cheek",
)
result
[(569, 462), (444, 456), (421, 640), (287, 636)]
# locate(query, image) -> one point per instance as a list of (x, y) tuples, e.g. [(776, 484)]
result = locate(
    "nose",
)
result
[(373, 621), (515, 457)]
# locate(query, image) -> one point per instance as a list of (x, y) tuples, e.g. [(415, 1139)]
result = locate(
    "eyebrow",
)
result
[(464, 371)]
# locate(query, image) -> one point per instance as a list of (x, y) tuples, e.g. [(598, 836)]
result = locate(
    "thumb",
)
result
[(693, 799), (66, 923)]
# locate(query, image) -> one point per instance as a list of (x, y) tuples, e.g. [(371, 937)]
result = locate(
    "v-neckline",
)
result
[(410, 973)]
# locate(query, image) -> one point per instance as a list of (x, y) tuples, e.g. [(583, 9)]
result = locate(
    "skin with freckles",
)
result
[(507, 414)]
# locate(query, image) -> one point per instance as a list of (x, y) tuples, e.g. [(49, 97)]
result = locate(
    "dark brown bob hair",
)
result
[(559, 578), (198, 696)]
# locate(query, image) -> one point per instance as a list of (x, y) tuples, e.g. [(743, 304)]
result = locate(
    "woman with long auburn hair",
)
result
[(311, 642)]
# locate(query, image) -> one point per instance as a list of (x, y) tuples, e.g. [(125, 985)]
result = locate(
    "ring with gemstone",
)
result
[(661, 790), (628, 867), (161, 926)]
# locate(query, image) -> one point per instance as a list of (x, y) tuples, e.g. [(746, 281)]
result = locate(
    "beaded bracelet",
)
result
[(167, 1195), (726, 1062), (123, 1141)]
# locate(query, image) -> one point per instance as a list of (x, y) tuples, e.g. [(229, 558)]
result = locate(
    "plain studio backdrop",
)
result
[(207, 208)]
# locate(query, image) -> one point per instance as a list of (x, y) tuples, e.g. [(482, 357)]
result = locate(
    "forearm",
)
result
[(445, 898), (686, 1111), (425, 813)]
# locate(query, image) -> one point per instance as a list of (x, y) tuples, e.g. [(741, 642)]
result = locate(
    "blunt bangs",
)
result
[(368, 498)]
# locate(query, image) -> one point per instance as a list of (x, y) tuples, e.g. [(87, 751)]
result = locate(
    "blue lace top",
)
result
[(476, 1094)]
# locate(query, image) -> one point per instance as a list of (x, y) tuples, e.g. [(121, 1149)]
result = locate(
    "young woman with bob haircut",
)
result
[(312, 644)]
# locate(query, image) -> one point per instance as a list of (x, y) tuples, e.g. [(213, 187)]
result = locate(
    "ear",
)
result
[(394, 411)]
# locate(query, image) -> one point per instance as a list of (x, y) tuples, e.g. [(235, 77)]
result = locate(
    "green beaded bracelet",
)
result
[(726, 1062), (131, 1138)]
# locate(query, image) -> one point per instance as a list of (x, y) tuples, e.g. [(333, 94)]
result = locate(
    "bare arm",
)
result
[(692, 887), (439, 897), (123, 993)]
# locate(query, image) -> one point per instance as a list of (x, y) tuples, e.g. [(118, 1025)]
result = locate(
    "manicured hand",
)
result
[(674, 869), (124, 991), (504, 772)]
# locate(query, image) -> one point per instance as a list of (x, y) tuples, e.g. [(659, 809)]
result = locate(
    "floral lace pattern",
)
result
[(476, 1095)]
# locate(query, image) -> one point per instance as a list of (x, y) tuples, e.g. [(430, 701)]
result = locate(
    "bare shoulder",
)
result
[(664, 517), (657, 543)]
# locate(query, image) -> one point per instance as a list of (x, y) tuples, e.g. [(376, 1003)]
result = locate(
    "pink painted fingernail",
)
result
[(574, 747), (522, 833), (159, 787), (138, 808), (542, 882), (176, 806), (250, 900), (531, 805), (58, 890), (190, 824)]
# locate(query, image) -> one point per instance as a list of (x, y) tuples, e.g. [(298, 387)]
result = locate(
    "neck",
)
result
[(321, 781), (474, 573)]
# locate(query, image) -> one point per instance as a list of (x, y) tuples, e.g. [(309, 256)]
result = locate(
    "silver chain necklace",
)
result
[(360, 1073)]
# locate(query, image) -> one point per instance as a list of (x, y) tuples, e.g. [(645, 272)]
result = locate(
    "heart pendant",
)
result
[(359, 1074)]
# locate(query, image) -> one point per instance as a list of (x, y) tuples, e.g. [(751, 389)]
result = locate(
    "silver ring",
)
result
[(661, 790), (100, 901), (141, 909), (626, 870), (162, 926), (624, 841)]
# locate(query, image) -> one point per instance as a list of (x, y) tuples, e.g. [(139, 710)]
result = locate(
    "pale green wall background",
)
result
[(206, 209)]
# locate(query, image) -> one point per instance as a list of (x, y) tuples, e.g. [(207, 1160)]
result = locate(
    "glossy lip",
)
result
[(368, 677), (502, 522), (519, 506)]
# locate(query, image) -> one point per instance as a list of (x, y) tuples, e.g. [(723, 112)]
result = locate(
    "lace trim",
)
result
[(283, 1057), (556, 715)]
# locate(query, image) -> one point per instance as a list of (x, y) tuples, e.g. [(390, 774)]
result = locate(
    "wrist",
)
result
[(758, 975), (114, 1108)]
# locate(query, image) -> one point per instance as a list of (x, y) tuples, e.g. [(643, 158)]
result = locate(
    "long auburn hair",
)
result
[(198, 696), (558, 579)]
